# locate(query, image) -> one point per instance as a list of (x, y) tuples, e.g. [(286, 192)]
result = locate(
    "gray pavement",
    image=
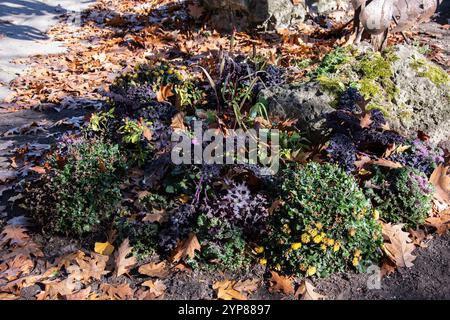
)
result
[(23, 26)]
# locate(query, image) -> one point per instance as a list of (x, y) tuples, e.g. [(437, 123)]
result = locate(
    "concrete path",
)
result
[(23, 26)]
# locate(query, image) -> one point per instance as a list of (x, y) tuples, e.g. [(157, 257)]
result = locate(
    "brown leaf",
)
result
[(156, 289), (186, 248), (117, 292), (387, 163), (17, 267), (15, 235), (387, 268), (306, 292), (441, 223), (247, 286), (178, 122), (154, 269), (418, 237), (164, 93), (80, 295), (156, 216), (58, 288), (8, 296), (400, 248), (441, 182), (366, 120), (89, 268), (225, 291), (122, 263), (281, 283)]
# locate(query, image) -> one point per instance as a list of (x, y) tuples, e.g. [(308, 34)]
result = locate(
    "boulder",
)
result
[(245, 14), (418, 99), (307, 102)]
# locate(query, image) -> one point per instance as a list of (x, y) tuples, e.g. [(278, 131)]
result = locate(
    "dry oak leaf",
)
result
[(30, 249), (186, 248), (247, 286), (15, 235), (156, 290), (154, 269), (122, 263), (441, 182), (119, 292), (281, 283), (80, 295), (8, 296), (89, 268), (16, 267), (178, 122), (400, 248), (164, 93), (104, 248), (226, 291), (306, 292), (441, 222), (58, 288), (387, 268)]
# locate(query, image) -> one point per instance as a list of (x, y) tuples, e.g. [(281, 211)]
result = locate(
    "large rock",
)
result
[(306, 102), (421, 100), (245, 14)]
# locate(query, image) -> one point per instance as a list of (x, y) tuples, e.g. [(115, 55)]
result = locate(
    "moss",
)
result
[(373, 106), (333, 85), (368, 88), (430, 71), (375, 67)]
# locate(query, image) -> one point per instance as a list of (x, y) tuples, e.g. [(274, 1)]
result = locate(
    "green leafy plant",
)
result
[(401, 195), (99, 121), (133, 133), (324, 224), (223, 246), (81, 191)]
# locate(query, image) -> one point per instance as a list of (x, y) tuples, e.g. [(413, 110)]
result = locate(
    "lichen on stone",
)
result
[(430, 71)]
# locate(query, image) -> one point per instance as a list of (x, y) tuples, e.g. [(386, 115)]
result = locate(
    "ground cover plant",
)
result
[(360, 196)]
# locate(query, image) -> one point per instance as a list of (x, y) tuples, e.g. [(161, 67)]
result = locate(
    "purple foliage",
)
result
[(342, 151), (177, 227), (240, 207)]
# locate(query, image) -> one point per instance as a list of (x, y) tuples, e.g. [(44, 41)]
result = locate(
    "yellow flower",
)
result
[(296, 245), (277, 267), (183, 67), (376, 214), (357, 253), (305, 238), (311, 271), (352, 232), (161, 71), (170, 71), (263, 261), (259, 249), (319, 225), (323, 247), (179, 77), (317, 239), (330, 242), (355, 261), (337, 246), (313, 232), (286, 228), (302, 267)]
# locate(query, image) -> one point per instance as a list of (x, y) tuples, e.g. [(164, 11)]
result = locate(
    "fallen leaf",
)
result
[(8, 296), (306, 292), (225, 291), (441, 223), (15, 235), (122, 263), (156, 289), (164, 93), (441, 182), (117, 292), (281, 283), (104, 248), (186, 248), (400, 246), (154, 269)]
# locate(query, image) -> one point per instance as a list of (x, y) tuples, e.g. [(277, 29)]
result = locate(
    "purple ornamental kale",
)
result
[(239, 207), (342, 151), (350, 100)]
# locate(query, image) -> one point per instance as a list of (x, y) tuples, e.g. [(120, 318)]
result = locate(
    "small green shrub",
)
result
[(401, 195), (324, 224), (222, 244), (81, 191)]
